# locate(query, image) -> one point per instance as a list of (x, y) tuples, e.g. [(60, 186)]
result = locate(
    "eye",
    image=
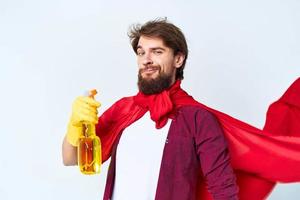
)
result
[(140, 53), (158, 52)]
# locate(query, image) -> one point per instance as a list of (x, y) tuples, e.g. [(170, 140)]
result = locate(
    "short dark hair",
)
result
[(171, 35)]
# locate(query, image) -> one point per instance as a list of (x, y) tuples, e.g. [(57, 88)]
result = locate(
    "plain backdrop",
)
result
[(243, 56)]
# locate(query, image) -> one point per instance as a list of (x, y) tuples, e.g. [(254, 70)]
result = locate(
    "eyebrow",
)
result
[(153, 48)]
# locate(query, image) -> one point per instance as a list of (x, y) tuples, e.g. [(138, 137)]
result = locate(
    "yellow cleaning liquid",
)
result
[(89, 149)]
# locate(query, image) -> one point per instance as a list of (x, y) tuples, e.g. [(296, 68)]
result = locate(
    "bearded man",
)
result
[(160, 142), (164, 145)]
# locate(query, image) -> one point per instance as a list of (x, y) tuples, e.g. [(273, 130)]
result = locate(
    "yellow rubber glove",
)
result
[(84, 110)]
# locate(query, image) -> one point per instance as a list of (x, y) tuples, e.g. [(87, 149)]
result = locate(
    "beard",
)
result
[(156, 85)]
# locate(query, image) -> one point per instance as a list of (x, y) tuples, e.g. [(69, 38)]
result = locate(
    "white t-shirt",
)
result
[(138, 160)]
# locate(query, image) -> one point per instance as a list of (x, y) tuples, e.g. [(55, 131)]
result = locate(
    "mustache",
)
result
[(149, 67)]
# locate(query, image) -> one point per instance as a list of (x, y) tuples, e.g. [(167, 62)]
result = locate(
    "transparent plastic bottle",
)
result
[(89, 148)]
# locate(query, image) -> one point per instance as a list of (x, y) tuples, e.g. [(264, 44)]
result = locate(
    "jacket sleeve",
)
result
[(212, 150)]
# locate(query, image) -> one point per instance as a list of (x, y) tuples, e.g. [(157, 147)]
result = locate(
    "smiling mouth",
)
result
[(150, 70)]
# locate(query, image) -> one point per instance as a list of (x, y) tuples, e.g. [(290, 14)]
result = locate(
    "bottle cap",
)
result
[(90, 93)]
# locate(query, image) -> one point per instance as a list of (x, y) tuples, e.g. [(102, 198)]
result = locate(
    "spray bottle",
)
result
[(89, 148)]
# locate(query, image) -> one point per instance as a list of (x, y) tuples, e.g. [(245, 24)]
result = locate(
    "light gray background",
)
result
[(243, 56)]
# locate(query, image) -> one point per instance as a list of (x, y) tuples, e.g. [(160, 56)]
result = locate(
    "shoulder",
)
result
[(195, 112), (125, 101), (119, 107), (192, 120)]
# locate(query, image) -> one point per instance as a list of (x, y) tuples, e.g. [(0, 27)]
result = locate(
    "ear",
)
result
[(178, 59)]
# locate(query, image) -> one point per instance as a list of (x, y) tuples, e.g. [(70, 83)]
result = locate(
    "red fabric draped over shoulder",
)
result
[(259, 157)]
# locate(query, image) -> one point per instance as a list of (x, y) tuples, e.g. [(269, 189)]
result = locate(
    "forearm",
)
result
[(69, 153)]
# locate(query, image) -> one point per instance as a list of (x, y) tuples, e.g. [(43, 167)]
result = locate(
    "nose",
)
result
[(147, 59)]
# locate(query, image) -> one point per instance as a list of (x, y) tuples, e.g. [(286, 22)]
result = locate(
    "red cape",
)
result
[(283, 116), (260, 153)]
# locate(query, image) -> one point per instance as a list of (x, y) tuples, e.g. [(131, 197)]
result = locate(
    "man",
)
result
[(161, 142)]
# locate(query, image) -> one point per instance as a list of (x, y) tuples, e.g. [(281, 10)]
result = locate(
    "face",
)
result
[(157, 64)]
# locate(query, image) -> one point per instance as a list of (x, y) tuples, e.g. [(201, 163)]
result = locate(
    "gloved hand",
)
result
[(84, 110)]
